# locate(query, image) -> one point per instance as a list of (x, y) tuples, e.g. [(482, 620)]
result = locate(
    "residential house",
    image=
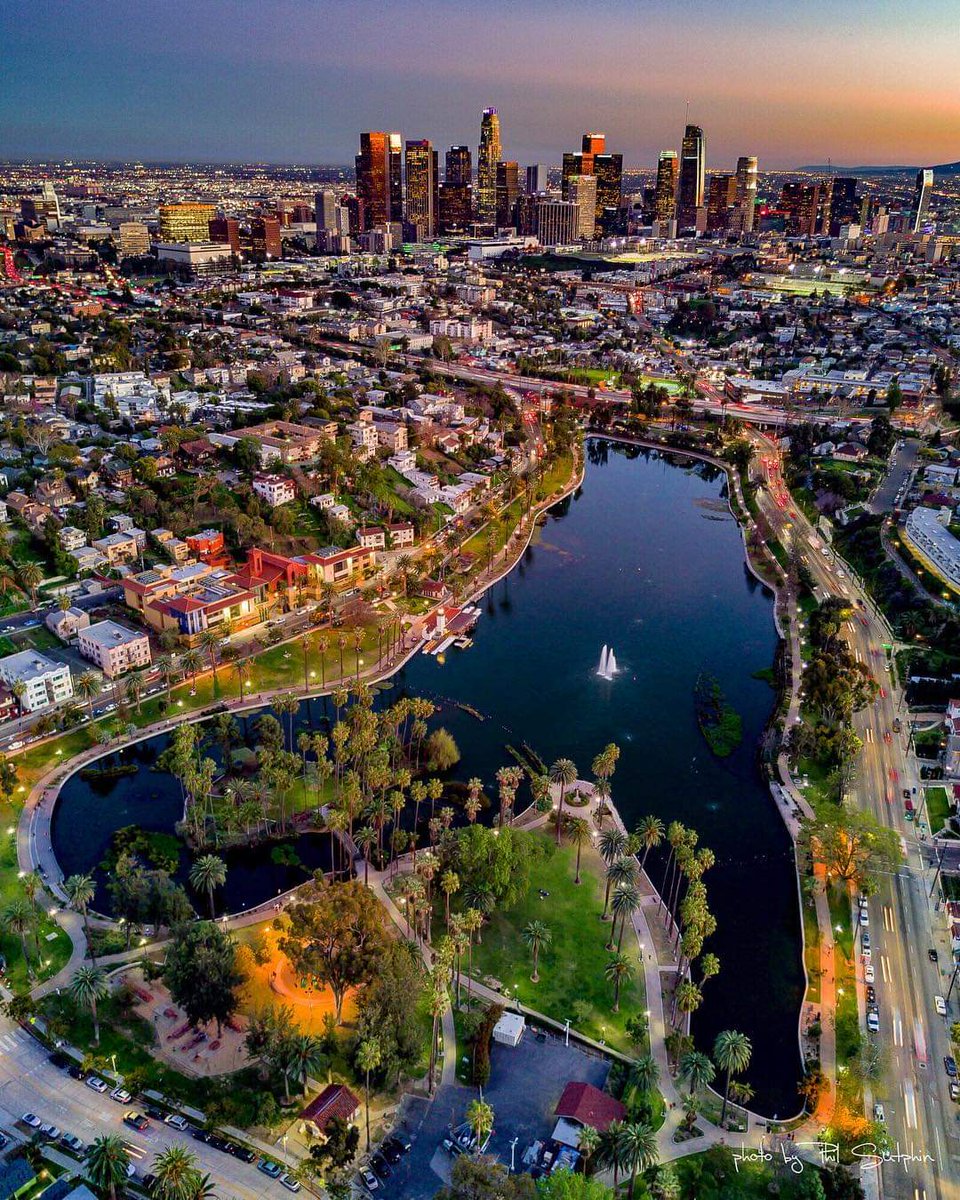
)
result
[(275, 489), (67, 623)]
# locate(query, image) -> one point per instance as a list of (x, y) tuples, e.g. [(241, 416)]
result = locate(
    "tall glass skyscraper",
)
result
[(692, 177), (423, 202), (747, 190), (666, 191), (921, 197), (488, 155)]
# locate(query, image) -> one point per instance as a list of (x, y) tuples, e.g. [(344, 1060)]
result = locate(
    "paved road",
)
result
[(900, 471), (30, 1083), (920, 1115)]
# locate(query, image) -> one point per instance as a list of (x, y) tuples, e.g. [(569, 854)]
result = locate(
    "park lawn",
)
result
[(556, 477), (938, 808), (811, 951), (572, 965), (849, 1038)]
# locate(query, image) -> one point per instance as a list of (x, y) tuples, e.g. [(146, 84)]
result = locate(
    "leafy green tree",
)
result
[(565, 1185), (107, 1162), (202, 974), (851, 843)]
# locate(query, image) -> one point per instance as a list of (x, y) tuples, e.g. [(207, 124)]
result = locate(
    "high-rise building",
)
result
[(186, 222), (325, 210), (536, 179), (459, 166), (692, 178), (721, 199), (507, 191), (455, 207), (265, 237), (556, 222), (921, 197), (746, 191), (226, 230), (134, 239), (488, 155), (668, 168), (608, 168), (802, 204), (423, 188), (379, 178), (844, 206), (582, 190)]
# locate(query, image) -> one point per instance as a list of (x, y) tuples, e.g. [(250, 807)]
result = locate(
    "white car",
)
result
[(873, 1022), (869, 975), (864, 918), (878, 1114), (97, 1084), (121, 1095), (175, 1121), (940, 1005), (31, 1120)]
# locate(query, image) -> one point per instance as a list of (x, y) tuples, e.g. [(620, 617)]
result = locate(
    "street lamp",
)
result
[(566, 1032), (513, 1147)]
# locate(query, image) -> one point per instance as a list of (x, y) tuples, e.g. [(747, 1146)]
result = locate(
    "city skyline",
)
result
[(307, 75)]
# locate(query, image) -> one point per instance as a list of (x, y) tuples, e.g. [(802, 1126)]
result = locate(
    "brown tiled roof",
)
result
[(336, 1100), (584, 1103)]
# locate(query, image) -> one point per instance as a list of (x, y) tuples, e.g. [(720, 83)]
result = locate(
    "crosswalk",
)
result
[(11, 1041)]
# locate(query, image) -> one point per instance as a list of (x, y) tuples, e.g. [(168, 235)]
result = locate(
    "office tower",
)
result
[(843, 207), (921, 197), (373, 178), (692, 179), (802, 204), (524, 213), (507, 191), (395, 176), (325, 209), (746, 190), (134, 239), (668, 168), (556, 222), (423, 184), (226, 230), (489, 154), (51, 202), (265, 237), (455, 207), (536, 179), (459, 166), (593, 143), (608, 168), (721, 198), (582, 190), (186, 222), (357, 216)]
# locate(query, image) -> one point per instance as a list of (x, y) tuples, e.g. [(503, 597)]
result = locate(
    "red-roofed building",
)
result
[(336, 1100), (587, 1105)]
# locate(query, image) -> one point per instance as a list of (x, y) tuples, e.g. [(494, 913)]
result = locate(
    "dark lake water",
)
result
[(646, 559)]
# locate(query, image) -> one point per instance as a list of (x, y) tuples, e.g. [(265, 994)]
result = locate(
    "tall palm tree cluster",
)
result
[(175, 1170), (731, 1054)]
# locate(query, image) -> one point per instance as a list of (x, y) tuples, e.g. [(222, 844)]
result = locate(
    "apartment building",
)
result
[(114, 648)]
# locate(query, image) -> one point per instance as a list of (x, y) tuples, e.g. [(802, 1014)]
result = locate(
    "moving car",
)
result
[(136, 1121), (879, 1114), (933, 955)]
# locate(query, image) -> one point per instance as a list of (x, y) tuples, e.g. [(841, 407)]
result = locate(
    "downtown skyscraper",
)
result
[(380, 178), (692, 180), (423, 188), (746, 191), (489, 154), (665, 200)]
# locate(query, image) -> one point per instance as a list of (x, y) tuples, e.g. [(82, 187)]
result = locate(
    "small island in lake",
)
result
[(719, 722)]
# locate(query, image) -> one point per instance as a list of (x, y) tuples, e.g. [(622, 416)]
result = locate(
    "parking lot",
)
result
[(525, 1085)]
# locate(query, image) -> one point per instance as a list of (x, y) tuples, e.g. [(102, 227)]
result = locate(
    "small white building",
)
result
[(46, 682), (275, 489), (114, 648), (509, 1029)]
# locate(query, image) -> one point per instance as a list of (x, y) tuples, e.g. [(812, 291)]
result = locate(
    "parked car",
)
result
[(955, 1091), (175, 1121), (380, 1166), (940, 1005), (97, 1084), (950, 1066), (288, 1181), (879, 1114), (268, 1167), (873, 1022), (31, 1120), (76, 1072), (136, 1121), (244, 1153), (871, 994), (72, 1142), (864, 919), (933, 955), (59, 1060), (157, 1113), (121, 1095), (51, 1133), (370, 1181)]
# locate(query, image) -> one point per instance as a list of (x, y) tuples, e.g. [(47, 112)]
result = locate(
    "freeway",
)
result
[(29, 1082), (920, 1115)]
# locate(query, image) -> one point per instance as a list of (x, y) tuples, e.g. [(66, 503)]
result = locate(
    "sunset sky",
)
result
[(865, 81)]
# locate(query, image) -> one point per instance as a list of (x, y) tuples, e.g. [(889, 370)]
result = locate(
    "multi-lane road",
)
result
[(914, 1089), (29, 1082)]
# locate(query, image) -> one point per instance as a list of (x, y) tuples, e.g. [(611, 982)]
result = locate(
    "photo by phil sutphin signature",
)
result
[(825, 1154)]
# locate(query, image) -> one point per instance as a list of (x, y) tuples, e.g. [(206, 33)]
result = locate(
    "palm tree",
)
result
[(732, 1052), (80, 890), (88, 687), (639, 1147), (612, 845), (625, 902), (30, 576), (166, 665), (204, 1188), (645, 1074), (192, 662), (536, 934), (366, 839), (480, 1119), (107, 1162), (210, 641), (617, 970), (650, 831), (19, 917), (308, 1057), (176, 1174), (369, 1057), (696, 1071), (612, 1150), (88, 985), (207, 874), (562, 774), (579, 832), (449, 883), (589, 1141)]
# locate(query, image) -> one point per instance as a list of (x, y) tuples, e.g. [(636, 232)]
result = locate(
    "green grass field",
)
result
[(572, 965), (938, 808)]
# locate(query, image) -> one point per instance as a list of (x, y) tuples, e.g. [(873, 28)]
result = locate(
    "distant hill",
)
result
[(830, 169)]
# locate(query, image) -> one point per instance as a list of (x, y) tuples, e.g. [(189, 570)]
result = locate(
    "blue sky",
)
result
[(296, 80)]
